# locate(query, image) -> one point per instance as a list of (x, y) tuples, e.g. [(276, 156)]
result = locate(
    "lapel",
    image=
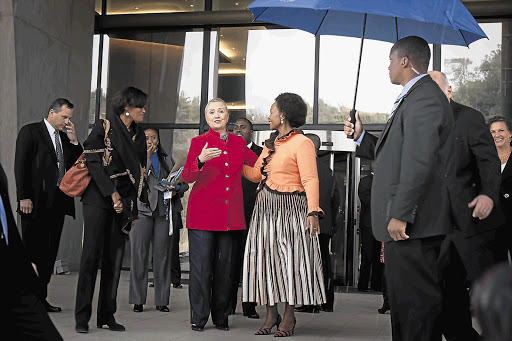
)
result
[(390, 121), (507, 171), (48, 141)]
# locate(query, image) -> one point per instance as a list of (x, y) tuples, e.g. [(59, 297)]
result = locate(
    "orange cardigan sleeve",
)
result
[(306, 162), (253, 174)]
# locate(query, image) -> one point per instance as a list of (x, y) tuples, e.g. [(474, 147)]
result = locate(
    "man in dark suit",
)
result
[(23, 313), (370, 247), (329, 202), (243, 127), (411, 211), (478, 184), (44, 151)]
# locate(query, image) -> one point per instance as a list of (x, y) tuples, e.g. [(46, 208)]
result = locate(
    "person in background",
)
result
[(501, 131), (329, 201), (152, 228), (385, 295), (243, 127), (214, 212), (282, 260), (117, 165), (44, 152), (491, 301), (472, 241), (24, 314), (370, 247)]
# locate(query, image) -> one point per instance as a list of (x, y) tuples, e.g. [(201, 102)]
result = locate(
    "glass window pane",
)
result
[(339, 57), (475, 72), (94, 77), (165, 65), (278, 61), (97, 6), (153, 6)]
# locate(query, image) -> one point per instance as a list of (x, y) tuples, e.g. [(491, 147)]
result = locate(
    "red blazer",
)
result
[(216, 200)]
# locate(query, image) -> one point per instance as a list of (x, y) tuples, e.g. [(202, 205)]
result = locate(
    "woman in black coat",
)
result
[(116, 161)]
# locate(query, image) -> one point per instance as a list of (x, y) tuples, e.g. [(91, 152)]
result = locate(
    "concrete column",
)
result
[(46, 53)]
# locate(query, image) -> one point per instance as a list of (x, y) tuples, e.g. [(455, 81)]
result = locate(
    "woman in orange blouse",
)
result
[(282, 257)]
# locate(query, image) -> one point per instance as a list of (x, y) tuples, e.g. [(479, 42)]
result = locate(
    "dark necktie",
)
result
[(60, 158)]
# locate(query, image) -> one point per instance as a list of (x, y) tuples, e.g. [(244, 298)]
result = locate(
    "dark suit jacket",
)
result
[(14, 257), (364, 191), (329, 198), (414, 164), (477, 169), (249, 190), (506, 193), (36, 170)]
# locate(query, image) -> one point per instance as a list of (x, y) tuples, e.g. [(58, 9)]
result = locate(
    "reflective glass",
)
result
[(230, 5), (475, 72), (165, 65)]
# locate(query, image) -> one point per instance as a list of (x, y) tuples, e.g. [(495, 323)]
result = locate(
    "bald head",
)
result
[(441, 80)]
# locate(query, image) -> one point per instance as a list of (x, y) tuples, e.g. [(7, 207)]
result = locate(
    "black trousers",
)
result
[(42, 237), (103, 242), (210, 277), (240, 239), (414, 277), (324, 240), (456, 319), (26, 318), (175, 257), (370, 261)]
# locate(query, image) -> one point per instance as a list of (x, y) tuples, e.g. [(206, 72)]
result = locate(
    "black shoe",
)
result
[(223, 326), (308, 309), (82, 328), (252, 315), (326, 309), (112, 325), (177, 286), (162, 308), (384, 309), (363, 290), (197, 328), (138, 308), (50, 308)]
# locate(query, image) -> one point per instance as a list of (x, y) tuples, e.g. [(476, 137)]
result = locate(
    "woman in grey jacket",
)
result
[(153, 227)]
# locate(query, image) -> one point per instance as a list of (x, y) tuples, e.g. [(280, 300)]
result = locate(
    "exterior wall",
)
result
[(46, 53)]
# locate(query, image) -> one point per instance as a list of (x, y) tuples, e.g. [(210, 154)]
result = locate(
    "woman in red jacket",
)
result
[(215, 207)]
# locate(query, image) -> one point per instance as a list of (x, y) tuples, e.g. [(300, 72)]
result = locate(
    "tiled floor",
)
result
[(355, 317)]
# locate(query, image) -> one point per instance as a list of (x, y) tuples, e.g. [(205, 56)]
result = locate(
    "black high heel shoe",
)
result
[(267, 331), (138, 308), (384, 309), (112, 324), (286, 333)]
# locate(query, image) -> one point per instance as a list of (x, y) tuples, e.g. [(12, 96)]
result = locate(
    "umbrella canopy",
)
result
[(438, 22)]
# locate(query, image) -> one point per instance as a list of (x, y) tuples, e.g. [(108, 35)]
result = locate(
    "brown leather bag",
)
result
[(77, 178)]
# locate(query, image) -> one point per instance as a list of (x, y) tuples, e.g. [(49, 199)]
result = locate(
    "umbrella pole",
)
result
[(353, 111)]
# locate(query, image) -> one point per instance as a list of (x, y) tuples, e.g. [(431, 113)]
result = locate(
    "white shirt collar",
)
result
[(51, 130), (249, 145), (410, 83)]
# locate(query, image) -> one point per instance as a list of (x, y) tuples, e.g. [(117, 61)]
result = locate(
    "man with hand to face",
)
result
[(44, 151), (410, 201)]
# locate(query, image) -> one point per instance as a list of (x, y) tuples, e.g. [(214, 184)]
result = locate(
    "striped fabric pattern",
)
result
[(282, 262)]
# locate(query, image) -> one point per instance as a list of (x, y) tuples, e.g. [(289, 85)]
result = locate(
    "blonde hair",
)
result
[(213, 100)]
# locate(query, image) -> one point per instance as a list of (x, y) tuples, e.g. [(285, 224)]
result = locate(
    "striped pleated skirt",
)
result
[(282, 263)]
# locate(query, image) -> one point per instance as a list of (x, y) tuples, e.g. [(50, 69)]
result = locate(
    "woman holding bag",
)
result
[(116, 163)]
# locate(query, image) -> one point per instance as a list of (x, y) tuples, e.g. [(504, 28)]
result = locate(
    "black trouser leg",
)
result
[(324, 240), (42, 238), (112, 261), (366, 257), (201, 247), (385, 294), (376, 277), (175, 252), (222, 277), (414, 279), (97, 223), (457, 324)]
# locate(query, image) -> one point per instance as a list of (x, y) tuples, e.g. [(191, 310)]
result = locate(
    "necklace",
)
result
[(504, 157)]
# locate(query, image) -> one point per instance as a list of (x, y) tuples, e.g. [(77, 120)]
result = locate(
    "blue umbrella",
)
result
[(437, 21)]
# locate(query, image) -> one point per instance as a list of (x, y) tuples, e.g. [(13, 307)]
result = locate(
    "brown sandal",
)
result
[(268, 331)]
